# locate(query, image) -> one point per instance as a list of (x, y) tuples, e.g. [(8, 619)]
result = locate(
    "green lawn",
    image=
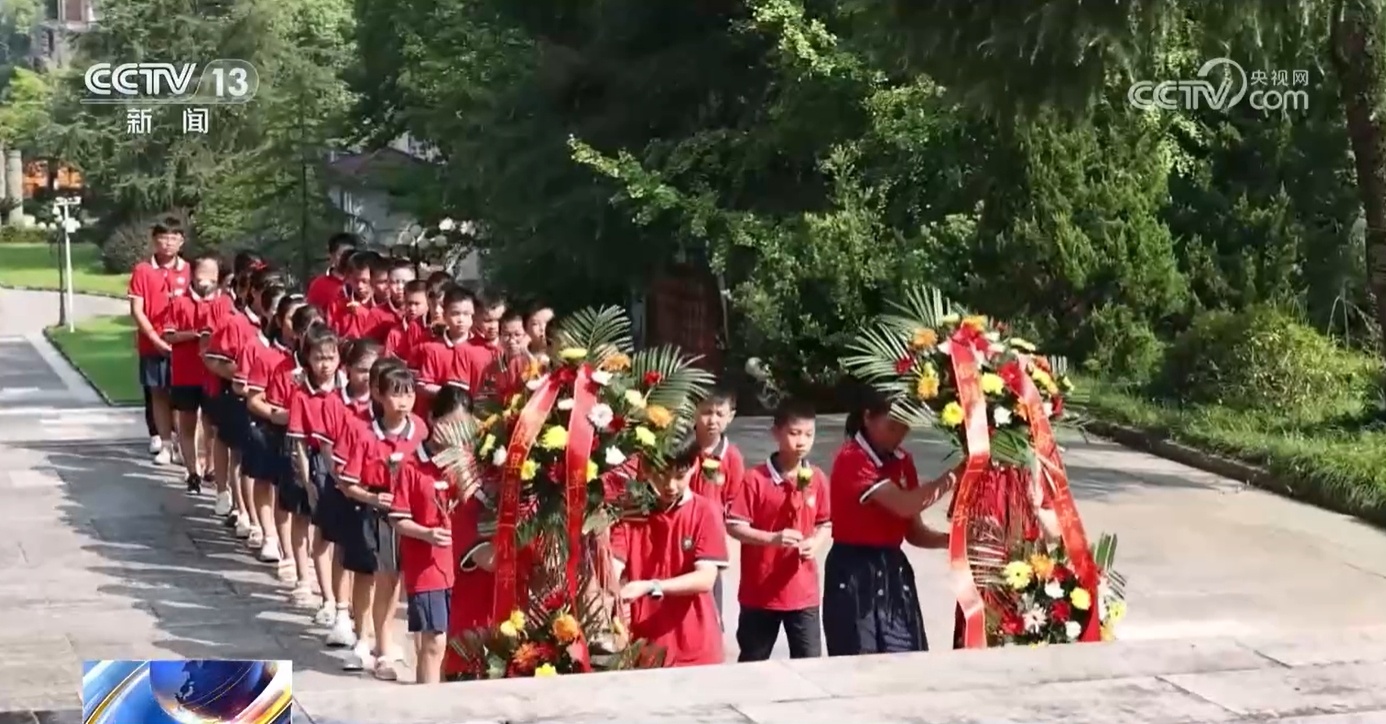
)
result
[(36, 266), (103, 348), (1340, 465)]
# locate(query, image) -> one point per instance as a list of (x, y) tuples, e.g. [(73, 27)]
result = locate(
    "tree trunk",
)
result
[(1357, 58)]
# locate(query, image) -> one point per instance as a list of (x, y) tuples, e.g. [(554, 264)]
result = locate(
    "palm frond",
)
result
[(458, 438), (681, 384), (921, 307), (602, 331)]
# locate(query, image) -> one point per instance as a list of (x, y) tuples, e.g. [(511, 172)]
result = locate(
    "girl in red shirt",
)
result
[(870, 600)]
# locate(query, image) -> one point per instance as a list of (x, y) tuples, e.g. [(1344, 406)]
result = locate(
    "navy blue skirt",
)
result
[(334, 515), (870, 605), (233, 420)]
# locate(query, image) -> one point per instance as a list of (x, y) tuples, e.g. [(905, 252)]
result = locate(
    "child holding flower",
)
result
[(721, 467), (781, 517), (421, 510)]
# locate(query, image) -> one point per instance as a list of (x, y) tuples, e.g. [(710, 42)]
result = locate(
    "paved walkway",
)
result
[(104, 556)]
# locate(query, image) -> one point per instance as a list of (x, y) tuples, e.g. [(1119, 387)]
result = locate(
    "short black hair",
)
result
[(390, 376), (315, 335), (356, 350), (718, 396), (683, 453), (418, 286), (399, 262), (791, 411), (343, 241), (512, 315), (208, 256), (457, 295), (381, 265), (488, 299), (358, 260), (166, 225), (438, 278), (304, 317), (449, 399)]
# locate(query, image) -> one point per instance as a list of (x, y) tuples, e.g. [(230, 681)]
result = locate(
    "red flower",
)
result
[(565, 375), (1061, 573), (1012, 625), (1058, 403), (618, 423), (652, 378), (558, 598), (1060, 611), (904, 365), (1012, 375)]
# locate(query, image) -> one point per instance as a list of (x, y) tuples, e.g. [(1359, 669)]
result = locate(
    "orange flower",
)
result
[(976, 322), (1042, 565), (532, 370), (529, 655), (927, 387), (659, 416), (924, 338), (617, 362), (566, 628)]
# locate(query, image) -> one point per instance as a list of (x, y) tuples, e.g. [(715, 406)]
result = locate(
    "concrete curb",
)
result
[(48, 336), (55, 290)]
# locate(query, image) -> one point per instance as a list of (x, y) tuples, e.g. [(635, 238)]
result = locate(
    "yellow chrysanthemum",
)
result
[(1042, 378), (975, 321), (1018, 575), (952, 415), (923, 338), (566, 629), (1042, 565), (1116, 610), (1022, 344), (508, 630), (545, 670), (528, 470), (992, 384), (554, 438), (926, 388), (517, 619), (659, 416), (592, 471), (645, 436), (1081, 599), (572, 354), (635, 399), (487, 444)]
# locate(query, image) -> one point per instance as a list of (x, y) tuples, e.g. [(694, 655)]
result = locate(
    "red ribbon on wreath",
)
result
[(963, 354), (1071, 531), (578, 454)]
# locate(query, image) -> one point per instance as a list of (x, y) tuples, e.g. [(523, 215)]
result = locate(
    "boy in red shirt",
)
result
[(450, 360), (389, 313), (367, 478), (408, 335), (515, 365), (188, 373), (781, 517), (325, 287), (671, 562), (720, 464), (153, 284), (424, 499), (349, 312), (380, 281)]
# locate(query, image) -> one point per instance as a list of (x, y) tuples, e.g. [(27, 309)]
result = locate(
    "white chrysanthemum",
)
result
[(601, 415), (533, 385), (601, 377), (565, 404), (447, 225), (614, 457), (1073, 629), (1054, 590), (1035, 619), (945, 348), (1001, 416), (440, 485), (498, 457)]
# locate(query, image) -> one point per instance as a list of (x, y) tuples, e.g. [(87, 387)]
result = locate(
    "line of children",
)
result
[(319, 412)]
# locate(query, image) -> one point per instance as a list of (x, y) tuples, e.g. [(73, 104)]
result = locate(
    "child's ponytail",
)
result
[(871, 403)]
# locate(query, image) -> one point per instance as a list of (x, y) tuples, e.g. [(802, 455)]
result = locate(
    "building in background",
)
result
[(53, 44)]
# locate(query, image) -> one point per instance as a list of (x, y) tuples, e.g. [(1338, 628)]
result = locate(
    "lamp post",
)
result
[(64, 210)]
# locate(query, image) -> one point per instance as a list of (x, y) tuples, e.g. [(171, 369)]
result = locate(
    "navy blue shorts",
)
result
[(370, 543), (331, 506), (428, 611), (154, 371), (262, 458), (233, 421), (186, 398)]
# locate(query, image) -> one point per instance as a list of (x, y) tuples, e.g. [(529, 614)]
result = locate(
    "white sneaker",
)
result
[(360, 658), (256, 539), (326, 615), (155, 444), (163, 457), (223, 506), (386, 669), (177, 455), (269, 552), (342, 635), (243, 527)]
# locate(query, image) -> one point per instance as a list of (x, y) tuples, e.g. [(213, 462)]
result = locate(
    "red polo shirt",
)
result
[(504, 377), (186, 313), (348, 317), (257, 364), (733, 468), (309, 409), (285, 383), (155, 287), (406, 339), (446, 362), (371, 447), (858, 471), (341, 419), (423, 566), (212, 316), (774, 578), (666, 545), (323, 289), (381, 320)]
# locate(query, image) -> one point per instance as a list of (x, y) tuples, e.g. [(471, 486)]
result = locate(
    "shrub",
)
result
[(1264, 359), (1116, 344), (125, 247), (10, 234)]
